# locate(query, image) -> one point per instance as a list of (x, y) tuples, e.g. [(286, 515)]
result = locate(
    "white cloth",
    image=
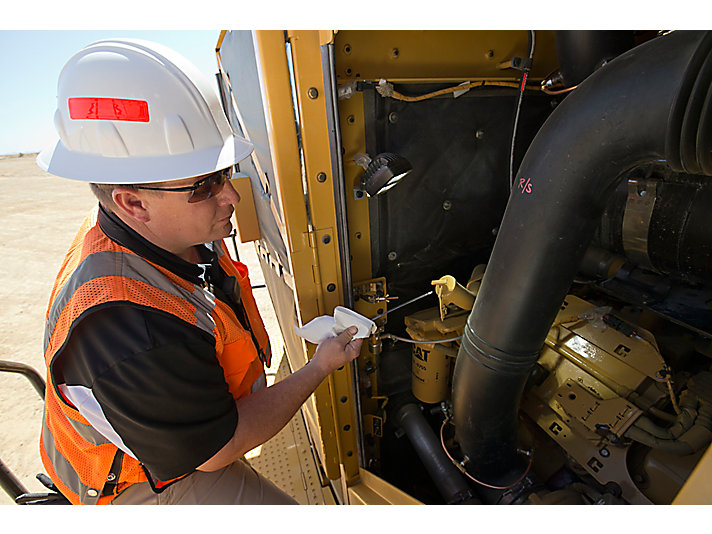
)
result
[(326, 326)]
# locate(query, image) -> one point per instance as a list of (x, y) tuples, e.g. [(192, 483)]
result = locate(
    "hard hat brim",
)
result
[(86, 167)]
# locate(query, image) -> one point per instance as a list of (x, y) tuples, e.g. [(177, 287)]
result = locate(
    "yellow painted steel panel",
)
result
[(353, 139), (439, 55), (274, 71), (311, 105), (248, 227), (374, 490), (303, 262)]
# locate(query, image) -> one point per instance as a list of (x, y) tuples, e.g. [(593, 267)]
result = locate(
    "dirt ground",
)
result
[(39, 215)]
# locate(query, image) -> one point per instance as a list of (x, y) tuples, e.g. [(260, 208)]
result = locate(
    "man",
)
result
[(154, 345)]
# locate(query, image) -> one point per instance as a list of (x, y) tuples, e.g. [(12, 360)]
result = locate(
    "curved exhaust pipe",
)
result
[(651, 103)]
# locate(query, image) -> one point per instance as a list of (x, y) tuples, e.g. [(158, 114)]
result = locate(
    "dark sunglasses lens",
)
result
[(210, 186)]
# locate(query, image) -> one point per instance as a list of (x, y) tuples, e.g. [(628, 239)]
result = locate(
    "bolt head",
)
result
[(392, 255), (321, 177), (313, 93)]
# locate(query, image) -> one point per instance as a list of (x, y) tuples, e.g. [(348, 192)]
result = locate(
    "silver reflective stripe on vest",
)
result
[(110, 263), (65, 471), (101, 431), (88, 433)]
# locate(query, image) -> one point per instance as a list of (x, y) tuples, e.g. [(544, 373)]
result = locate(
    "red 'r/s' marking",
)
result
[(108, 109), (524, 82), (526, 187)]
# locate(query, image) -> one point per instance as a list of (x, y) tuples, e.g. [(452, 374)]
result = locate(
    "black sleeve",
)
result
[(158, 382)]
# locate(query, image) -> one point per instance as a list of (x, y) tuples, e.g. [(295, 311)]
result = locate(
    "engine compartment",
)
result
[(616, 406), (541, 278), (612, 413)]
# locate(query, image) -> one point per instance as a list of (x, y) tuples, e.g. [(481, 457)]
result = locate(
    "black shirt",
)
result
[(153, 378)]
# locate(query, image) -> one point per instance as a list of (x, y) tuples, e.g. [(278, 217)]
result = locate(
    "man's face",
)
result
[(175, 224)]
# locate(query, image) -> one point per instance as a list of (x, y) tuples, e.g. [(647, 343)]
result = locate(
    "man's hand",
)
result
[(335, 352), (267, 411)]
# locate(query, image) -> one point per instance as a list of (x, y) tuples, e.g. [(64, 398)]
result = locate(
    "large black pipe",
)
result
[(580, 52), (631, 111)]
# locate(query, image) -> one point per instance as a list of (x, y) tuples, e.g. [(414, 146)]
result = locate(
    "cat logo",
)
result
[(421, 354)]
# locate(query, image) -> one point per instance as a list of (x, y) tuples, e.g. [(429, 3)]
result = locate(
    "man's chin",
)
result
[(226, 229)]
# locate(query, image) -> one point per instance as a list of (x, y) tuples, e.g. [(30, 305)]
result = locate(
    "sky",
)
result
[(31, 59), (30, 63)]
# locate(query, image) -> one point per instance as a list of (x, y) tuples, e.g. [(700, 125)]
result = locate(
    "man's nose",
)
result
[(228, 195)]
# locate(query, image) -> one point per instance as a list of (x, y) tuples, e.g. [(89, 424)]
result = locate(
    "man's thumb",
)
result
[(349, 333)]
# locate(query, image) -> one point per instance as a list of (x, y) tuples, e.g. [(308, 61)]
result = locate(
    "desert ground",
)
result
[(39, 215)]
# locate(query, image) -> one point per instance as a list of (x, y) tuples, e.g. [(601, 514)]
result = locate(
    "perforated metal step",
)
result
[(287, 459)]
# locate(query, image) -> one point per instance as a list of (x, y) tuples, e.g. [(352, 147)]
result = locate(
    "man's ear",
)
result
[(132, 203)]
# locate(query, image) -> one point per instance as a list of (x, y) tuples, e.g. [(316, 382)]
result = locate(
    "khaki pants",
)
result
[(238, 483)]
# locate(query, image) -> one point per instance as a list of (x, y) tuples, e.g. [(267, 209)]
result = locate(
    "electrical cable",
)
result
[(386, 89), (468, 475), (525, 73)]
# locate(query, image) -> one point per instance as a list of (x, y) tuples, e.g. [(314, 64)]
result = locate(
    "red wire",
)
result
[(468, 475)]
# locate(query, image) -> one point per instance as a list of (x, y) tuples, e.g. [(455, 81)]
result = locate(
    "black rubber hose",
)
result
[(449, 481), (619, 117)]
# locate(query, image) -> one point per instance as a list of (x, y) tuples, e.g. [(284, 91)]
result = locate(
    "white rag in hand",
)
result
[(324, 327)]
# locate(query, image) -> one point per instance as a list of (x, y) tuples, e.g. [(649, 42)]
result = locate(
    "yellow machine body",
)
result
[(309, 102)]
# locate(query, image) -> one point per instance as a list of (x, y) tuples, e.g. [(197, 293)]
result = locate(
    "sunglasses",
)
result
[(203, 189)]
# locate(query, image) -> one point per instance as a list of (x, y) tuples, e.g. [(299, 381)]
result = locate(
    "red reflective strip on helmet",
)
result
[(108, 109)]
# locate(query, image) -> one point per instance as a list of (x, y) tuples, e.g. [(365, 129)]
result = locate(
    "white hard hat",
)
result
[(131, 111)]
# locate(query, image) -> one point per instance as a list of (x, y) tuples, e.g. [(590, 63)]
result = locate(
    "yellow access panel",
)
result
[(272, 84)]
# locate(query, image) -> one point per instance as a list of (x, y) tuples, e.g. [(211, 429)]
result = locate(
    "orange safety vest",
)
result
[(96, 270)]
